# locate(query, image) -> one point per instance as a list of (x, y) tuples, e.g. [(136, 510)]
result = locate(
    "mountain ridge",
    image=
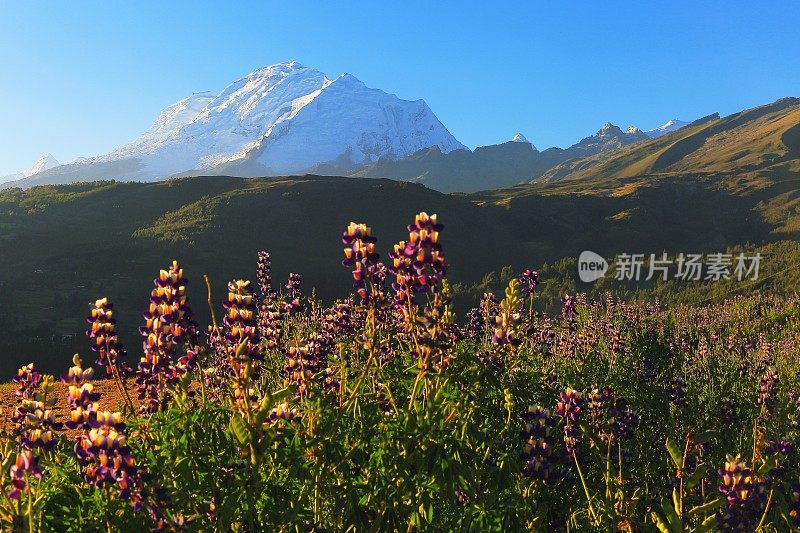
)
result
[(287, 118), (45, 162)]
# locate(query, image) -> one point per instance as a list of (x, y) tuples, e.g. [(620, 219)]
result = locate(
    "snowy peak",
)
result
[(520, 138), (345, 118), (45, 162), (669, 127), (281, 119)]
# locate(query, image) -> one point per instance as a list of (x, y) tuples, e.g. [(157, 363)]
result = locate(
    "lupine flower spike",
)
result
[(168, 325), (360, 255)]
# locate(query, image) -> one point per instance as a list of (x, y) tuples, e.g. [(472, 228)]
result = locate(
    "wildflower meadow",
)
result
[(387, 412)]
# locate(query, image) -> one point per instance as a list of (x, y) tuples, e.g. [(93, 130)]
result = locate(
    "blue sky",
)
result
[(81, 78)]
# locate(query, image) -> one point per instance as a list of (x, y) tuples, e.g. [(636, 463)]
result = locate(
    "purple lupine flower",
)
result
[(783, 447), (428, 262), (743, 368), (293, 284), (491, 359), (168, 325), (537, 452), (270, 312), (360, 255), (480, 317), (264, 275), (338, 320), (383, 400), (418, 264), (82, 398), (28, 381), (528, 282), (475, 326), (282, 412), (379, 274), (306, 361), (105, 341), (101, 447), (26, 465), (107, 459), (568, 308), (270, 325), (239, 323), (744, 494), (569, 409), (570, 405), (34, 421)]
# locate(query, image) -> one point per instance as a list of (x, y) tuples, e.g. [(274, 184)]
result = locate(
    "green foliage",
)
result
[(452, 460)]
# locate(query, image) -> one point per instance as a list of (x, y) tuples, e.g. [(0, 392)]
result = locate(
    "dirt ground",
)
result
[(110, 398)]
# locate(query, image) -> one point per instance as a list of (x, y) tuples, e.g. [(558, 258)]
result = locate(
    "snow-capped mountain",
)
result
[(669, 127), (45, 162), (281, 119), (520, 138)]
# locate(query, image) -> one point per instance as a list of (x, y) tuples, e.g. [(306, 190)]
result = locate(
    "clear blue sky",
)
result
[(81, 78)]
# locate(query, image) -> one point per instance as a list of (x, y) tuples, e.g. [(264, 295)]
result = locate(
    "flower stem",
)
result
[(585, 488)]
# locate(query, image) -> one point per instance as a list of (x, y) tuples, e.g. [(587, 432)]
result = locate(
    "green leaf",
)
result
[(675, 452), (769, 464), (709, 524), (242, 348), (675, 500), (703, 508), (672, 518), (239, 430), (661, 524), (697, 475), (266, 403)]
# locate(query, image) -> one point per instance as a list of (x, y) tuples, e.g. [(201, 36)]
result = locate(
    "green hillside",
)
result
[(63, 246), (761, 141)]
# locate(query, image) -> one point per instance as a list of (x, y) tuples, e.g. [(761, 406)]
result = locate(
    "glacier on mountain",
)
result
[(281, 119), (668, 127)]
